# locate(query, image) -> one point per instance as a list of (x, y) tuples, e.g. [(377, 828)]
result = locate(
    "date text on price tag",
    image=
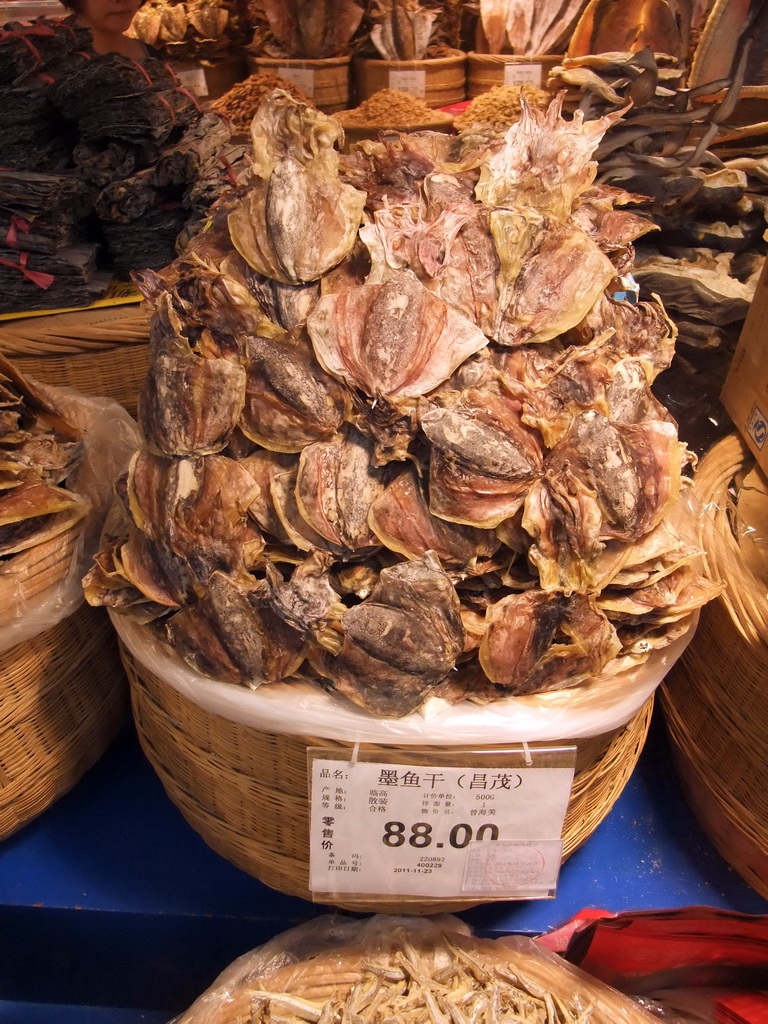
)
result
[(412, 82), (523, 74), (304, 78), (490, 825)]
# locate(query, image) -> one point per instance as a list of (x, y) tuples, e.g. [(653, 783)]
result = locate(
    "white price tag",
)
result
[(304, 78), (490, 825), (523, 74), (194, 80), (412, 82)]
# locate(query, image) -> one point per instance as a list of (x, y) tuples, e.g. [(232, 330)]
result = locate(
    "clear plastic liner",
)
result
[(591, 709), (328, 954), (110, 436)]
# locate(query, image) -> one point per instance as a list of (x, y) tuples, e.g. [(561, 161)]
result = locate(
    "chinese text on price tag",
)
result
[(523, 74), (304, 78), (412, 82), (489, 825), (194, 80)]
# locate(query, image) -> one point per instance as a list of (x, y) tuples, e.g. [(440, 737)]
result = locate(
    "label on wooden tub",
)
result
[(523, 74), (412, 82), (438, 824), (304, 78)]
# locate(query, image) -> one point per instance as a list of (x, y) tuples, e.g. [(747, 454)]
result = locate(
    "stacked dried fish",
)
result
[(399, 437), (527, 26), (38, 451), (189, 29), (309, 29)]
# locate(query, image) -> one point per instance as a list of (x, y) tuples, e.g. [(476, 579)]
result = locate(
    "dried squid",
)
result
[(414, 448)]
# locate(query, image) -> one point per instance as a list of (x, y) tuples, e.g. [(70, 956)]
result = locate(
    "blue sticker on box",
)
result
[(757, 427)]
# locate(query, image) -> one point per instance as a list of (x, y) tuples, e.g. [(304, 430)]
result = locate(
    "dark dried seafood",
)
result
[(450, 476), (311, 29)]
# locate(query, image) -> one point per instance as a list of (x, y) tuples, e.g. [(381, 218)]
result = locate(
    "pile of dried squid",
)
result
[(399, 438)]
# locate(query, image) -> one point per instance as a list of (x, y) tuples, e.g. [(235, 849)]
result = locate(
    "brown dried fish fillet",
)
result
[(401, 641), (521, 650), (197, 508), (402, 521), (394, 339), (229, 634), (27, 533), (262, 466), (483, 457), (34, 497), (313, 28), (189, 405), (282, 489), (643, 331), (546, 162), (307, 601), (564, 520), (297, 219), (551, 274), (335, 486), (290, 401)]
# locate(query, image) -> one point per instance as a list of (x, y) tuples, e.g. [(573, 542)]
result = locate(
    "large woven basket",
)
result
[(715, 699), (102, 352), (246, 792), (324, 81), (62, 699), (444, 77), (487, 70)]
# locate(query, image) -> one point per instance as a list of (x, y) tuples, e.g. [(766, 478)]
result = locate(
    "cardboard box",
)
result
[(745, 393)]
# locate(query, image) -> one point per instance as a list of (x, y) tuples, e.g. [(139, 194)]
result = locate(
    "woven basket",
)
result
[(246, 792), (715, 699), (102, 352), (486, 70), (62, 700), (24, 576), (444, 78), (325, 81)]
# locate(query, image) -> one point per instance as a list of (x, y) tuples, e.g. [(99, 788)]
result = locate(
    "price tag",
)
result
[(304, 78), (412, 82), (523, 74), (482, 823), (194, 80)]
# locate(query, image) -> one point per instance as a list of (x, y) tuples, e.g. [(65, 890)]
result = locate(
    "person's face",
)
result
[(114, 16)]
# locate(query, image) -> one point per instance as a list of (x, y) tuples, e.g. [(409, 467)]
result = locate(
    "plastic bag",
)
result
[(110, 436), (327, 957), (591, 709)]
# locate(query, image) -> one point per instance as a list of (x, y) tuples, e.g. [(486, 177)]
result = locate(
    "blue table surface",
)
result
[(112, 907)]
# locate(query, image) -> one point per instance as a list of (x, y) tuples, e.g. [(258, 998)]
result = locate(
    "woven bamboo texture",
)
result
[(23, 577), (63, 698), (444, 77), (246, 792), (715, 699), (487, 70), (330, 78), (102, 352)]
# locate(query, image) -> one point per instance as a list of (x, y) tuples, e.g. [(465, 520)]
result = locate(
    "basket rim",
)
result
[(512, 58), (299, 62), (453, 58), (303, 709)]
